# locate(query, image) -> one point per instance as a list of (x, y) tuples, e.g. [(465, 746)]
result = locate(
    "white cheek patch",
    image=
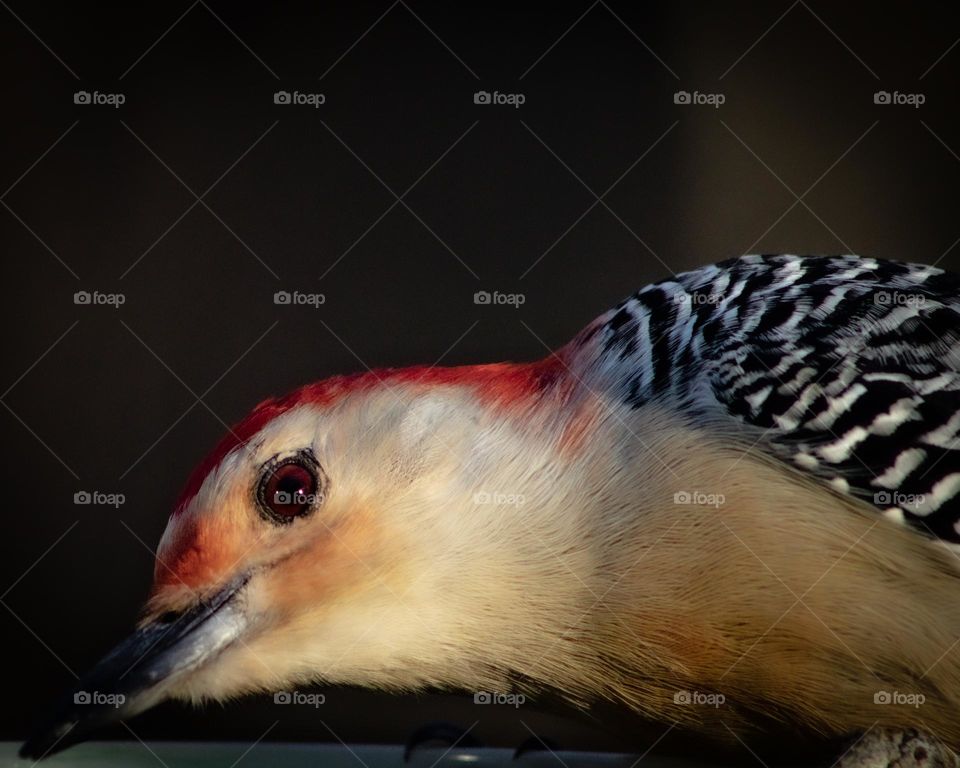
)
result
[(213, 485), (205, 502), (419, 443), (295, 429), (423, 417)]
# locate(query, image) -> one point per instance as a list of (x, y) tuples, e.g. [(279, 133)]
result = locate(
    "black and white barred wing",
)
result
[(851, 364)]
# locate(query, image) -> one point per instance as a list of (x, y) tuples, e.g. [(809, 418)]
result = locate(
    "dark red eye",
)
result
[(290, 488)]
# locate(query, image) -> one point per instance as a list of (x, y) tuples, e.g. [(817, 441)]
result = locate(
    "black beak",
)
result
[(141, 670)]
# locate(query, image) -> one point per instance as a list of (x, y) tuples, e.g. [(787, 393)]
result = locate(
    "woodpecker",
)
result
[(742, 482)]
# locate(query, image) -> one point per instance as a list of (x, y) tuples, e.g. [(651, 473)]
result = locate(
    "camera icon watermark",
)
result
[(300, 698), (99, 499), (898, 698), (696, 98), (296, 298), (299, 498), (699, 699), (86, 98), (698, 498), (515, 100), (96, 698), (499, 499), (515, 300), (697, 298), (896, 98), (515, 700), (96, 298), (899, 299), (897, 499), (299, 99)]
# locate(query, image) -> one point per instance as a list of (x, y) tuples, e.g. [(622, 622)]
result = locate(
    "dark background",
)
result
[(127, 400)]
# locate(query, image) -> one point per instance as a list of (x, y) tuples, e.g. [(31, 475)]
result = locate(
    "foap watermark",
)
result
[(298, 99), (899, 698), (296, 298), (696, 298), (99, 499), (98, 99), (500, 499), (96, 298), (699, 498), (516, 700), (300, 698), (899, 299), (715, 100), (515, 300), (298, 498), (699, 699), (96, 698), (515, 100), (896, 98), (897, 499)]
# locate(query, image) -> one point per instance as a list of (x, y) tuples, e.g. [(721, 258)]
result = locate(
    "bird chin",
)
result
[(145, 669)]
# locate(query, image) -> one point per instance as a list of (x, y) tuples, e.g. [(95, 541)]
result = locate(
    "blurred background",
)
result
[(170, 167)]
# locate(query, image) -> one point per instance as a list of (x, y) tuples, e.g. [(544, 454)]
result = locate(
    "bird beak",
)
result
[(141, 671)]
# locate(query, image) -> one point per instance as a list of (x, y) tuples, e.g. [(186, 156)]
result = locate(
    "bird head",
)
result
[(333, 535)]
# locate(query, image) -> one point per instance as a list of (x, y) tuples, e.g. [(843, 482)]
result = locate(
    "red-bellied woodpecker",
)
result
[(741, 484)]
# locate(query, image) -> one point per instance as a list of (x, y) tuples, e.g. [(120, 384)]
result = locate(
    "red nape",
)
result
[(497, 384)]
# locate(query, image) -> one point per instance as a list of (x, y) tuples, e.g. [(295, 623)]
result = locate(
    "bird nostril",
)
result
[(169, 617)]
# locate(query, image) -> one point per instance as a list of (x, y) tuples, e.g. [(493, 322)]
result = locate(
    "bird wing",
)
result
[(851, 365)]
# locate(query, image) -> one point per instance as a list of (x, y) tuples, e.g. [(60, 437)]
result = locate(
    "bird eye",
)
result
[(290, 488)]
